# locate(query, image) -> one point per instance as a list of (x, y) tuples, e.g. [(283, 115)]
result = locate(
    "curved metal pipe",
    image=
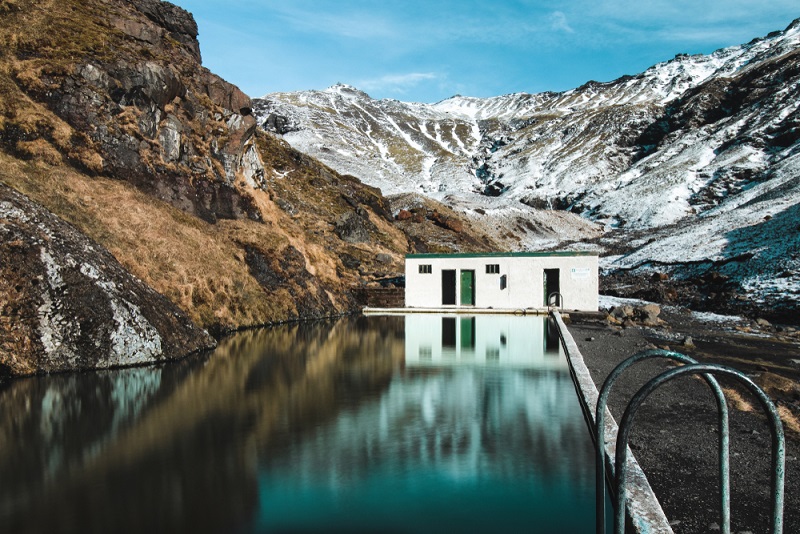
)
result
[(559, 300), (600, 456), (776, 428)]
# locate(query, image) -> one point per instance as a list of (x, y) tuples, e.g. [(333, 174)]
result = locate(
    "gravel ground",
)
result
[(675, 435)]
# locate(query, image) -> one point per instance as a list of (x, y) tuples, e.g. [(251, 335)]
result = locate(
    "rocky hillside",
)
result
[(109, 122), (688, 168)]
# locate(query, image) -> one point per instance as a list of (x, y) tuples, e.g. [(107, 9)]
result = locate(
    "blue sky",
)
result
[(428, 50)]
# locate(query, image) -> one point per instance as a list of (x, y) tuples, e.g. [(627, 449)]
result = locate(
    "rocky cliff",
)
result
[(67, 303), (125, 79)]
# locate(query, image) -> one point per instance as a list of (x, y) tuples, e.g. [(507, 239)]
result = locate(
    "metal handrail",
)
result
[(600, 456), (560, 300), (776, 428)]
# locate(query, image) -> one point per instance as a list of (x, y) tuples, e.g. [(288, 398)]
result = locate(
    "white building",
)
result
[(503, 281)]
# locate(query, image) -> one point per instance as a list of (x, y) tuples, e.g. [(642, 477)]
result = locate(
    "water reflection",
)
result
[(506, 340), (413, 423)]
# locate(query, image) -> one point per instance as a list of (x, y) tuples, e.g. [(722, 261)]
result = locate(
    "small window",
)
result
[(425, 269), (492, 268)]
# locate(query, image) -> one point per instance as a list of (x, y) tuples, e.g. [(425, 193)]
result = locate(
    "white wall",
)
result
[(524, 274)]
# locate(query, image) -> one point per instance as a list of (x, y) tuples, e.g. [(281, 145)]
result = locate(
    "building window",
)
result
[(492, 268), (425, 269)]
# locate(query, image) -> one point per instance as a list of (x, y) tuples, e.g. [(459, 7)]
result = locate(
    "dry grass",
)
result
[(34, 132), (39, 149), (790, 419), (195, 264), (63, 31), (737, 401)]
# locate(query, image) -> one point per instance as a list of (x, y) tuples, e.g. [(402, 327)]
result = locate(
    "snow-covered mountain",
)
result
[(699, 154)]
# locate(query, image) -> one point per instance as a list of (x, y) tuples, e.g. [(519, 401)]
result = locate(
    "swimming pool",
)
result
[(416, 423)]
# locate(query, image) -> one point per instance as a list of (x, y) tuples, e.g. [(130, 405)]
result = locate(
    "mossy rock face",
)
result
[(68, 304), (127, 76)]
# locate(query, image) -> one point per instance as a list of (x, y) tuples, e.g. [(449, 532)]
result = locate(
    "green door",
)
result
[(467, 288)]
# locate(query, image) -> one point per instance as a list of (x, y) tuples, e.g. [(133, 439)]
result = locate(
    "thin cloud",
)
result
[(558, 22), (397, 83), (351, 24), (682, 21)]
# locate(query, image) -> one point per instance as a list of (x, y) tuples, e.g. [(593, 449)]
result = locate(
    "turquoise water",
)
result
[(369, 424)]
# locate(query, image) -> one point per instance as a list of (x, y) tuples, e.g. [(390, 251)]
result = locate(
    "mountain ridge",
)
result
[(706, 142)]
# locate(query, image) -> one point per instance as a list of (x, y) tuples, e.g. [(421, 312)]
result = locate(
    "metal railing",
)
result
[(559, 300), (621, 454)]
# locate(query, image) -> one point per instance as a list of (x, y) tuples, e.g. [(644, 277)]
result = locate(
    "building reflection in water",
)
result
[(481, 427), (506, 340)]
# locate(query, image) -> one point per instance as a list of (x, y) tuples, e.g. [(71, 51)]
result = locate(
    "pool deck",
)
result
[(644, 511)]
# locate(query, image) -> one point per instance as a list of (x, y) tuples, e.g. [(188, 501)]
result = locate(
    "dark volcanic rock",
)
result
[(178, 22), (154, 116), (66, 303), (278, 124), (353, 228)]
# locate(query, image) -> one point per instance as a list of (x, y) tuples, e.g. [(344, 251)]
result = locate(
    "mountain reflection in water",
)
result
[(408, 424)]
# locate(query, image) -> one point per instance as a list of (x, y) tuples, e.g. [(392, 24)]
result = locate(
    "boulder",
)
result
[(224, 94), (621, 312), (352, 228), (648, 314), (278, 124), (67, 304), (449, 223)]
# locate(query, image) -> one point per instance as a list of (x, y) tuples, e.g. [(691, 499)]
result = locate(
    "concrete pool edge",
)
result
[(461, 310), (644, 510)]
